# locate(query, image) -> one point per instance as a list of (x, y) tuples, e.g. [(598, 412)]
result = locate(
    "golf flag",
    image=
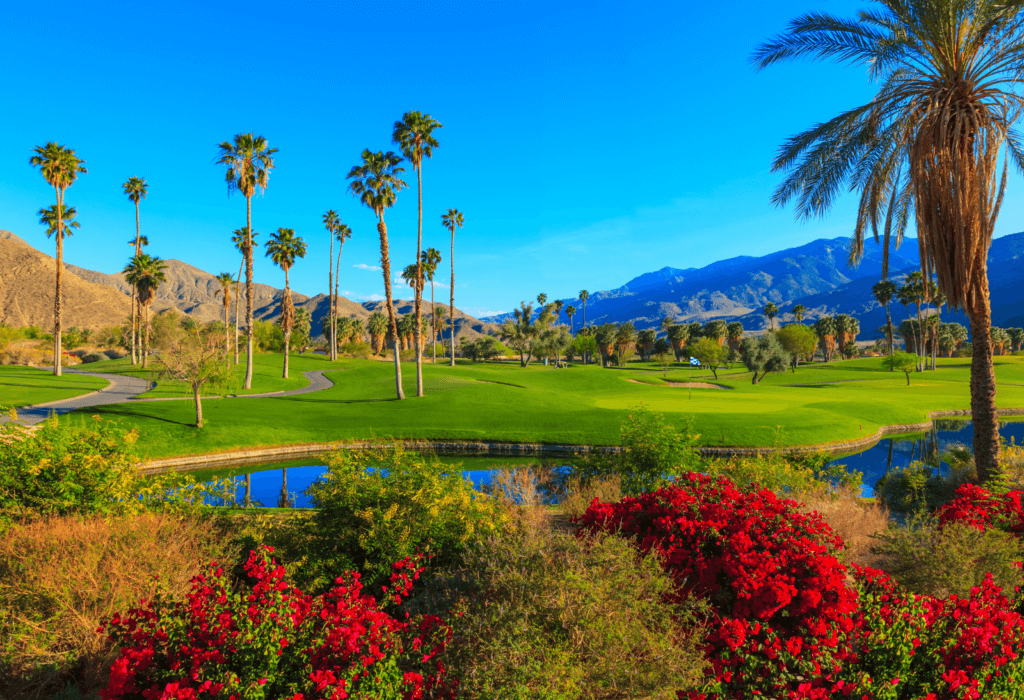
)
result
[(694, 361)]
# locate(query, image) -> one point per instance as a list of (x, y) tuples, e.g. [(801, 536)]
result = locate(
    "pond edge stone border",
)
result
[(506, 449)]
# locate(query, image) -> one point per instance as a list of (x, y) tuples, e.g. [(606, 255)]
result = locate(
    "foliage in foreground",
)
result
[(269, 640), (60, 577)]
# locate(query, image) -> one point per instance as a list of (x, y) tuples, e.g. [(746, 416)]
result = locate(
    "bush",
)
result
[(928, 558), (856, 520), (653, 451), (920, 488), (547, 615), (271, 640), (781, 607), (86, 469), (784, 474), (113, 354), (94, 357), (60, 577), (357, 349), (377, 506)]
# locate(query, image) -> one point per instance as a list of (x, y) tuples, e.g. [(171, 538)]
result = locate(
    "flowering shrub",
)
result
[(783, 612), (979, 508), (275, 642)]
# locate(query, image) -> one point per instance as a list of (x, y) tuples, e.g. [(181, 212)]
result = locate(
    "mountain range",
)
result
[(96, 299), (816, 275)]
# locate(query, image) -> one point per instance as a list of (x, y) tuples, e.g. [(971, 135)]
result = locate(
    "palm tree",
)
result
[(244, 243), (734, 332), (799, 311), (930, 141), (331, 223), (716, 330), (825, 329), (377, 181), (225, 280), (770, 311), (913, 292), (343, 234), (431, 258), (60, 167), (625, 339), (248, 162), (145, 273), (584, 295), (439, 322), (451, 220), (570, 311), (283, 248), (136, 189), (645, 339), (884, 292), (356, 329), (414, 135), (377, 326)]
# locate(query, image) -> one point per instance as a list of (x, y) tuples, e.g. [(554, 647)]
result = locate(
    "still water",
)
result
[(272, 484)]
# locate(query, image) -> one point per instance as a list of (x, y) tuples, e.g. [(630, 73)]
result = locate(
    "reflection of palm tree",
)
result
[(376, 181), (248, 161), (284, 500), (60, 168)]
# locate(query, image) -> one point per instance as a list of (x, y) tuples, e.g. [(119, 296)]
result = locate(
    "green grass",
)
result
[(25, 386), (579, 405), (266, 376)]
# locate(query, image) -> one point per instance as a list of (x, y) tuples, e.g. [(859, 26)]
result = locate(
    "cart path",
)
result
[(125, 389)]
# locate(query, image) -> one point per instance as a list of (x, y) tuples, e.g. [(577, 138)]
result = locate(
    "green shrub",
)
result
[(94, 357), (357, 349), (653, 452), (919, 487), (785, 474), (377, 506), (65, 469), (548, 615), (939, 562), (113, 354)]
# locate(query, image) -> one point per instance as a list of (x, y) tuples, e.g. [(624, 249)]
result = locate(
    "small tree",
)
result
[(196, 359), (799, 341), (763, 355), (901, 362), (710, 353)]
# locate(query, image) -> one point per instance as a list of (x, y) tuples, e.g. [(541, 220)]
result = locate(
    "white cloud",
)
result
[(360, 297), (364, 266)]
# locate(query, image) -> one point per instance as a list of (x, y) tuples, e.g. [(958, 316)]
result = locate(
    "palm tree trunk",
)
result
[(286, 299), (199, 406), (385, 263), (984, 417), (337, 302), (330, 296), (238, 304), (451, 309), (227, 328), (433, 325), (145, 345), (920, 340), (57, 354), (888, 330), (418, 286), (248, 292), (135, 296)]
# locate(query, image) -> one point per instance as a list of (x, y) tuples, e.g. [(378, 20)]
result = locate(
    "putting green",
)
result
[(580, 405), (25, 386)]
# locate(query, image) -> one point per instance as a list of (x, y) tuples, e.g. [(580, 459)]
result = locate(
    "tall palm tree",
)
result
[(60, 167), (884, 292), (913, 292), (584, 295), (930, 141), (136, 189), (414, 134), (284, 247), (451, 220), (734, 333), (331, 223), (770, 311), (439, 322), (343, 234), (799, 311), (377, 327), (226, 280), (431, 258), (145, 273), (570, 311), (825, 329), (248, 161), (377, 181), (244, 243)]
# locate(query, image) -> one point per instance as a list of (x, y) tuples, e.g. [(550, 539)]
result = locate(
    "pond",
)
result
[(269, 482)]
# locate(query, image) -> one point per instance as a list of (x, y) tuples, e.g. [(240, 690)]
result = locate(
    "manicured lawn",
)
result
[(25, 386), (266, 375), (579, 405)]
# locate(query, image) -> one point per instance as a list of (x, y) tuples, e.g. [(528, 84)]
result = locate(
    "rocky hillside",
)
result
[(27, 291)]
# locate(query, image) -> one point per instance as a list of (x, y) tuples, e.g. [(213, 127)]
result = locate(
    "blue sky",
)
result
[(586, 143)]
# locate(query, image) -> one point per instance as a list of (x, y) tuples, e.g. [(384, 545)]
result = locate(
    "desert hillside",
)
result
[(27, 291)]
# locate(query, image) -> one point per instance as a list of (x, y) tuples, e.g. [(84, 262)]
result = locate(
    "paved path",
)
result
[(125, 389)]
